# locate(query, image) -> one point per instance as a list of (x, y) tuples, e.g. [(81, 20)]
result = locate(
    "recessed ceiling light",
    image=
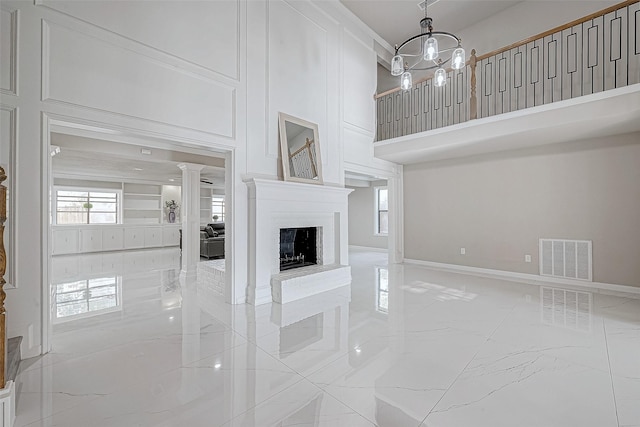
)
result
[(171, 179)]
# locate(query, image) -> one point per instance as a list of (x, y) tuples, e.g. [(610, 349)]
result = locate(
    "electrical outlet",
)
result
[(462, 251), (527, 258)]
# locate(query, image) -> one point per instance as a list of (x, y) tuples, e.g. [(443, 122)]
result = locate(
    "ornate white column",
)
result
[(190, 213)]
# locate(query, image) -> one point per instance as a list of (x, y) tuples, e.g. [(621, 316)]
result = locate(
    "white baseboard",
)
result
[(367, 248), (533, 279)]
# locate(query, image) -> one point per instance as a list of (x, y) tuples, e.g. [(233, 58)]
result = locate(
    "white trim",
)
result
[(532, 279), (46, 245), (11, 225), (14, 34), (368, 248), (396, 217)]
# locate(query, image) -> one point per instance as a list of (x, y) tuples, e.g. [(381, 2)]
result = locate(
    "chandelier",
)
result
[(425, 51)]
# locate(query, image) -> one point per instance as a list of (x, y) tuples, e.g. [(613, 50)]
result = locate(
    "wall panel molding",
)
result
[(147, 48), (274, 105), (8, 142), (9, 60), (270, 150), (360, 122), (100, 79)]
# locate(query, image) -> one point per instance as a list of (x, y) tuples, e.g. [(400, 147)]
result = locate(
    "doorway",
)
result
[(129, 181)]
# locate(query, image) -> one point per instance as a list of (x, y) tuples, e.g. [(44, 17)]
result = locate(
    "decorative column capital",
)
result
[(190, 166)]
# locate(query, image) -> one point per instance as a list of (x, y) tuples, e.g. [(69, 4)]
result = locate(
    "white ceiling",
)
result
[(397, 20), (87, 158)]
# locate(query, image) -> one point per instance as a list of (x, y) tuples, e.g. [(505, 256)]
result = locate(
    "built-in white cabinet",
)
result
[(112, 239), (65, 241), (152, 237), (90, 240), (95, 238), (134, 237), (170, 236)]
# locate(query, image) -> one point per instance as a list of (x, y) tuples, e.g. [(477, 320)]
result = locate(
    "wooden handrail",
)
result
[(3, 269), (558, 28), (528, 40)]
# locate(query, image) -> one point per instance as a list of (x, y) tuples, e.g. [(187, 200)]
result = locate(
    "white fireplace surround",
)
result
[(277, 204)]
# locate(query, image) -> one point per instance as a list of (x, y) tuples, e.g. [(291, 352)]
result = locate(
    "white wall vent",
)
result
[(566, 258)]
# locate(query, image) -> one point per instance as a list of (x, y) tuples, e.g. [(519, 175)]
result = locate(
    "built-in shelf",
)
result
[(205, 206), (142, 204), (142, 194)]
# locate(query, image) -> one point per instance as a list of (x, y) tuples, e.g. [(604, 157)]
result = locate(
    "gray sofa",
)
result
[(212, 240)]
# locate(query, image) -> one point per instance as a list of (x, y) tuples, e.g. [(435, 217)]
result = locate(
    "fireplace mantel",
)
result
[(277, 204)]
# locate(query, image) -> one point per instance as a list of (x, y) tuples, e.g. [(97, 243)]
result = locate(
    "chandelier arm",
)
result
[(430, 34), (432, 67)]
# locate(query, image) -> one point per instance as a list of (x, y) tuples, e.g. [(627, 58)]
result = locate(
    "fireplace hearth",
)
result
[(298, 247)]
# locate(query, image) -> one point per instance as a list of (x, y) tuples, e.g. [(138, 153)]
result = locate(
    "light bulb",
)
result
[(406, 81), (458, 59), (440, 78), (431, 49), (396, 65)]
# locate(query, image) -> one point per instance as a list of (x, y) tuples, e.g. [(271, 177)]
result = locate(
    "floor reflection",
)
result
[(88, 297), (402, 345), (566, 308)]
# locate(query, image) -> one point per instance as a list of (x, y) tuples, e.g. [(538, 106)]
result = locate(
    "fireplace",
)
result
[(277, 205), (298, 247)]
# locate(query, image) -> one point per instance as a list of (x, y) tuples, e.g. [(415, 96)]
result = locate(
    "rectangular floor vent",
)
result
[(566, 258)]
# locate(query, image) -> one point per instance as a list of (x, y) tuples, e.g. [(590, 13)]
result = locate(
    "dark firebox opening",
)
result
[(297, 247)]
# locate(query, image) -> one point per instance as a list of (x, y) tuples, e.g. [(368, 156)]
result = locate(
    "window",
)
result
[(217, 208), (86, 207), (382, 211)]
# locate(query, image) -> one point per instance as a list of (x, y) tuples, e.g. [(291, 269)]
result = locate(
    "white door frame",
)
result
[(76, 126), (395, 236)]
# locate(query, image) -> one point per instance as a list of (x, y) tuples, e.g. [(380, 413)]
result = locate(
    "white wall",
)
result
[(210, 75), (497, 206)]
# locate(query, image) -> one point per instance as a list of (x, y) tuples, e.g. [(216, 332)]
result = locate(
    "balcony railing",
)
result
[(598, 52)]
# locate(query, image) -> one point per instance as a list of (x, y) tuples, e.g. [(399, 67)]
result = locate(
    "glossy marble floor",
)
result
[(402, 346)]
